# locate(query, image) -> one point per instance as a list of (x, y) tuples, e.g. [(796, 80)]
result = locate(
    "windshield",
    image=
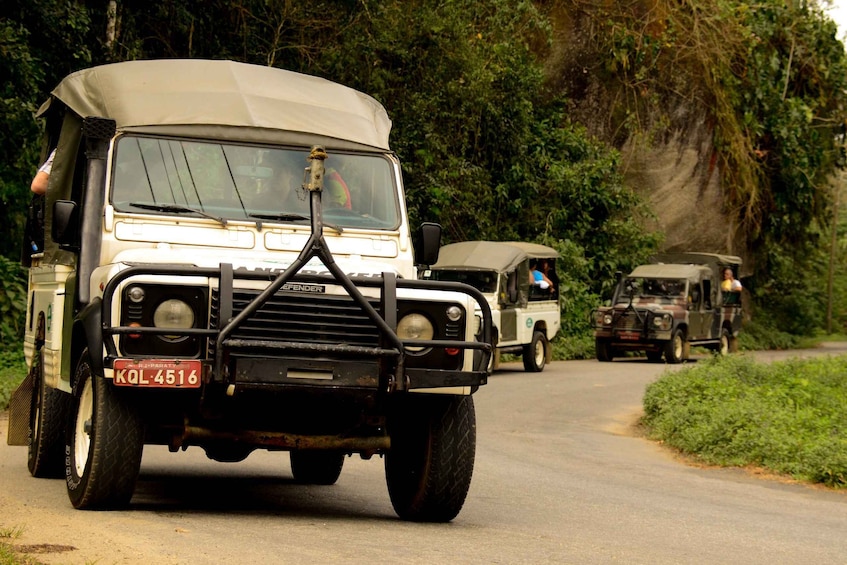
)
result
[(651, 288), (240, 182), (484, 281)]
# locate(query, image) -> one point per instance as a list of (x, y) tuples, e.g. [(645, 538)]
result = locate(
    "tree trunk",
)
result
[(111, 25)]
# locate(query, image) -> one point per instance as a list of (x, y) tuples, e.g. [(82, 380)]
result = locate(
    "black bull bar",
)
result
[(391, 354)]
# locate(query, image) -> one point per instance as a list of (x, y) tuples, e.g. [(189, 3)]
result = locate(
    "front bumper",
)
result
[(248, 345)]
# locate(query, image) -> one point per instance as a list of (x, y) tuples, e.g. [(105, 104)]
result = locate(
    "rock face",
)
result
[(682, 185), (676, 170)]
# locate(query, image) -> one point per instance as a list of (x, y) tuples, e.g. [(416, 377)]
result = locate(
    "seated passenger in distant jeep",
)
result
[(539, 278)]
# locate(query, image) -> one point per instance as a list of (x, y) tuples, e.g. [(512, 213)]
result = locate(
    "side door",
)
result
[(699, 320), (509, 301)]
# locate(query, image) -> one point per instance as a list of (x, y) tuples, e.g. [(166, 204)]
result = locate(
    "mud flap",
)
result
[(20, 405)]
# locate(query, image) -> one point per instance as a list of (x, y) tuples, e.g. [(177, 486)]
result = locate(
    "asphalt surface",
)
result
[(561, 476)]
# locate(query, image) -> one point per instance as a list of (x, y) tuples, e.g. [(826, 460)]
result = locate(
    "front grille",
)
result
[(302, 318), (627, 321)]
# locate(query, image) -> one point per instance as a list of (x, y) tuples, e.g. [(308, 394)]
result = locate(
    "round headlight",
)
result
[(607, 319), (415, 326), (173, 314)]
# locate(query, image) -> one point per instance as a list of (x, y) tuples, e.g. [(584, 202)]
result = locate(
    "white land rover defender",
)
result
[(525, 307), (227, 263)]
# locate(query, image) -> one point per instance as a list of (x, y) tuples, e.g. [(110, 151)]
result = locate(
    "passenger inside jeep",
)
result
[(280, 189), (543, 280)]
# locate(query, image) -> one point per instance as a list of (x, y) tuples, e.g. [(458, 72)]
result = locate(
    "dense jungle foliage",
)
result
[(482, 123)]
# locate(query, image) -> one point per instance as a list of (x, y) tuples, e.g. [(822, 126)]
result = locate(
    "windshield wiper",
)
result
[(287, 217), (178, 209)]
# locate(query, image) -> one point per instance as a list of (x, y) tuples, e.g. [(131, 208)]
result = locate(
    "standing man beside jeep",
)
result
[(730, 283)]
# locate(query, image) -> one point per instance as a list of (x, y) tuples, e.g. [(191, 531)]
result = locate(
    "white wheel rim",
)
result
[(539, 353), (724, 345), (677, 346), (82, 437)]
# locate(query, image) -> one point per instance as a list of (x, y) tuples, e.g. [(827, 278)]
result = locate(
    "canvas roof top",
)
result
[(696, 257), (152, 95), (501, 256), (670, 271)]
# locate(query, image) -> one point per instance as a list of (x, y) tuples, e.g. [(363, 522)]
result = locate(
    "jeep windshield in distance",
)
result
[(665, 307), (228, 264)]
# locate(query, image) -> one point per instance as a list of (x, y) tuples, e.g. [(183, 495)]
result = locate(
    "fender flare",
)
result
[(88, 332)]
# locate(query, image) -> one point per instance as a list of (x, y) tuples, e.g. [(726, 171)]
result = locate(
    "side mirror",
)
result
[(427, 243), (65, 225)]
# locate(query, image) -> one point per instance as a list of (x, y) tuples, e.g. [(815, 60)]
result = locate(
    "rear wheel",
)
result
[(47, 417), (316, 467), (105, 438), (603, 350), (675, 348), (429, 467), (535, 354)]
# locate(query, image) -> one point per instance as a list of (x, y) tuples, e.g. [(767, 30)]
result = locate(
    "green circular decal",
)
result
[(529, 322)]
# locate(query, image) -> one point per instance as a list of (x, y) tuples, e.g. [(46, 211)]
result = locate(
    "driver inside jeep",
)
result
[(336, 191)]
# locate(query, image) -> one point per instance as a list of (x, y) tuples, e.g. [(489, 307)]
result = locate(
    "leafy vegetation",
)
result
[(12, 301), (12, 372), (481, 107), (12, 317), (787, 416), (770, 79)]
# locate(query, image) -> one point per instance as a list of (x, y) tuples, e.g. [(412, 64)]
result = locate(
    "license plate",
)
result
[(629, 335), (158, 373)]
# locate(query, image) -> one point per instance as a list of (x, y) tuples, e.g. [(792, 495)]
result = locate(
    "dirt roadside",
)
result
[(55, 533)]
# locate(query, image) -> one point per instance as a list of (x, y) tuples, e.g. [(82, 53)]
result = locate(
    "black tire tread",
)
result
[(529, 363), (115, 457), (432, 486), (316, 467), (670, 355), (603, 350), (46, 452)]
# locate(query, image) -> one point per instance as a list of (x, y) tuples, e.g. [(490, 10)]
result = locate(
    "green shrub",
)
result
[(12, 301), (789, 417), (758, 335), (573, 347), (12, 372)]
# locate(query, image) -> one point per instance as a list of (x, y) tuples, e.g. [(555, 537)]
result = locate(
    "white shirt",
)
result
[(48, 164)]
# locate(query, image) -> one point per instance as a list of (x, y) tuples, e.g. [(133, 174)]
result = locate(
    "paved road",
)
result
[(560, 478)]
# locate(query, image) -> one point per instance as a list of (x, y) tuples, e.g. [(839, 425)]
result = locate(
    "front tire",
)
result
[(105, 438), (654, 356), (535, 354), (429, 467), (603, 350), (675, 348), (316, 467), (47, 417)]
